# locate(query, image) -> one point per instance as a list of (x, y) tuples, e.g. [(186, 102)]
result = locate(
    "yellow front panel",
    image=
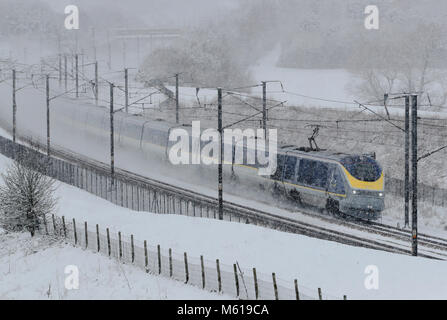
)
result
[(359, 184)]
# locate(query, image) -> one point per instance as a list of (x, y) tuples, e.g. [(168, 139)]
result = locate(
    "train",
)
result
[(339, 183), (342, 184)]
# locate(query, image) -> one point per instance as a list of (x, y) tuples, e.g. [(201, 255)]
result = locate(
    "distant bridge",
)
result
[(140, 33)]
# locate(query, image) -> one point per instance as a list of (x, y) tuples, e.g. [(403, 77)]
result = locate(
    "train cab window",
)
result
[(362, 168), (289, 168)]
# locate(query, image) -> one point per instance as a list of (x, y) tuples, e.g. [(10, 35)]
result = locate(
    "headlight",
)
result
[(354, 191), (380, 194)]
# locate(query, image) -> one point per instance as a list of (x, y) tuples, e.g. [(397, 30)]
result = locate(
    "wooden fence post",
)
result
[(170, 262), (202, 265), (63, 226), (297, 293), (219, 278), (159, 259), (45, 224), (108, 242), (320, 296), (54, 224), (74, 232), (146, 259), (186, 267), (275, 287), (86, 234), (120, 245), (236, 279), (255, 278), (98, 241), (132, 248)]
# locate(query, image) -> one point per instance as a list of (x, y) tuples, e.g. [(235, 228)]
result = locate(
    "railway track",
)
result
[(372, 236), (432, 242)]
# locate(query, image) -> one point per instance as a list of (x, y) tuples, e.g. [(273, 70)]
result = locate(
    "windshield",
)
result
[(362, 168)]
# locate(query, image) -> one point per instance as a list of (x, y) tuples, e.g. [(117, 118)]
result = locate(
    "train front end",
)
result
[(365, 198)]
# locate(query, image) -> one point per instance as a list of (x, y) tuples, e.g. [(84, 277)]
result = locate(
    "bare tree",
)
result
[(409, 62), (202, 56), (26, 196)]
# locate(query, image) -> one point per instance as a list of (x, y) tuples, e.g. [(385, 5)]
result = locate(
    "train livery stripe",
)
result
[(366, 185), (313, 189)]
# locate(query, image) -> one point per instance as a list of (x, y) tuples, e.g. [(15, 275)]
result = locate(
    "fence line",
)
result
[(431, 195), (213, 276)]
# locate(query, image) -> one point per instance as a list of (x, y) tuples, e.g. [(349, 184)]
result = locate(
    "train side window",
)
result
[(305, 172), (321, 170), (313, 173), (289, 169)]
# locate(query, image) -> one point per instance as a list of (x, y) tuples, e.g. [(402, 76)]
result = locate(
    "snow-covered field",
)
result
[(323, 99), (337, 269), (35, 268)]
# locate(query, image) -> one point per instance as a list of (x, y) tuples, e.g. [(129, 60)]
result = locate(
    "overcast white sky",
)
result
[(173, 13)]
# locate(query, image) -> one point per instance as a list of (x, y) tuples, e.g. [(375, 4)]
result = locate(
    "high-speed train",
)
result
[(347, 184), (344, 184)]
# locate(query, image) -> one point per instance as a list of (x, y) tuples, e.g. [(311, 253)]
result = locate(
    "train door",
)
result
[(321, 183), (289, 177), (275, 184), (336, 184)]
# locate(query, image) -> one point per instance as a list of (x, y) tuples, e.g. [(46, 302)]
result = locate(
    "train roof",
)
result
[(165, 126), (324, 154)]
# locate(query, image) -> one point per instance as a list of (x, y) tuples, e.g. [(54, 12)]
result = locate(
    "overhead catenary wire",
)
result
[(242, 95)]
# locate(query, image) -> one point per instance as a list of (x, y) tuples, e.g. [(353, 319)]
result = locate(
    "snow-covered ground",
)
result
[(37, 268), (337, 269)]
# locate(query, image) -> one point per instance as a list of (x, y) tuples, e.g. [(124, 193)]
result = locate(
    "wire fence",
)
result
[(213, 276), (431, 195)]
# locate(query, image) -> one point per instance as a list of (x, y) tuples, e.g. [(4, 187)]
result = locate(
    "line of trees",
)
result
[(204, 57), (412, 62)]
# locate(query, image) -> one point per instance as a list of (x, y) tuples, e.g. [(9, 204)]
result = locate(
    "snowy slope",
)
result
[(338, 269), (35, 269)]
